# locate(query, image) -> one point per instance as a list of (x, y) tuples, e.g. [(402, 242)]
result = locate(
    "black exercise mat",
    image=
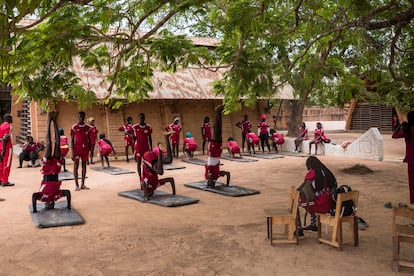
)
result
[(238, 159), (112, 170), (160, 198), (173, 167), (59, 216), (195, 161), (266, 155), (222, 189), (68, 175)]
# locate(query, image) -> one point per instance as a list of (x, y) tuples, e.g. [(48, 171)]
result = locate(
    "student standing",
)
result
[(245, 127), (406, 131), (206, 131), (94, 137), (263, 127), (6, 148), (129, 138), (143, 140), (80, 142), (175, 128)]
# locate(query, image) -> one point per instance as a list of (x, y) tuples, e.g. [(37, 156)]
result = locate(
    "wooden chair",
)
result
[(401, 233), (336, 221), (284, 216)]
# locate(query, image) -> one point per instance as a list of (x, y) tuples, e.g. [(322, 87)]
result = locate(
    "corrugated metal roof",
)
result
[(189, 83)]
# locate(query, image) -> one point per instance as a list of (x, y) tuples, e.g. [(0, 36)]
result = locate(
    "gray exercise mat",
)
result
[(195, 161), (238, 159), (160, 198), (267, 155), (222, 189), (112, 170), (173, 167), (68, 175), (288, 153), (59, 216)]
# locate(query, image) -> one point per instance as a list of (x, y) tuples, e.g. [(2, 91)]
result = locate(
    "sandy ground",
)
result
[(218, 236)]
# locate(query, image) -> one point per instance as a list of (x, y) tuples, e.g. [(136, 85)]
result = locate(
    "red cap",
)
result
[(263, 117)]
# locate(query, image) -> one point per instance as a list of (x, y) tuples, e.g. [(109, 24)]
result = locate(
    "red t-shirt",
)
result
[(264, 127), (93, 134), (81, 135), (175, 136), (252, 138), (142, 134), (278, 138), (104, 148), (128, 130), (206, 131), (190, 144), (51, 166), (6, 129), (233, 146)]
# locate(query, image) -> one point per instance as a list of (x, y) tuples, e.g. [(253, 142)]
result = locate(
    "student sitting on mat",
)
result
[(152, 166), (189, 145), (213, 172), (277, 139), (233, 147), (50, 186), (105, 148), (252, 139)]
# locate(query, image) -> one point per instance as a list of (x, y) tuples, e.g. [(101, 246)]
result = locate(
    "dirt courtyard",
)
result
[(217, 236)]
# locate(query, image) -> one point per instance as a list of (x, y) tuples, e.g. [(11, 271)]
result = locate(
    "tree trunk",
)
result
[(295, 113)]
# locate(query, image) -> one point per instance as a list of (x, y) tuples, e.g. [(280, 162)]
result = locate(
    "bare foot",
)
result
[(77, 188), (83, 187)]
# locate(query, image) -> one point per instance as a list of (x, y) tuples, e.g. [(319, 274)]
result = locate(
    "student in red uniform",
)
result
[(105, 148), (263, 129), (252, 139), (175, 128), (212, 172), (64, 147), (94, 137), (6, 150), (129, 138), (277, 139), (302, 135), (152, 166), (406, 131), (30, 151), (51, 165), (323, 182), (206, 131), (189, 145), (143, 140), (80, 142), (233, 147), (245, 126), (319, 137)]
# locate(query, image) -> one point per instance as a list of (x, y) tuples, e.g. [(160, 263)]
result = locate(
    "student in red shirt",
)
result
[(30, 151), (277, 139), (406, 131), (93, 132), (143, 140), (213, 172), (252, 139), (319, 138), (49, 190), (245, 126), (206, 131), (175, 128), (263, 129), (105, 148), (64, 147), (233, 147), (302, 135), (80, 142), (189, 145), (152, 166), (6, 150), (129, 138)]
